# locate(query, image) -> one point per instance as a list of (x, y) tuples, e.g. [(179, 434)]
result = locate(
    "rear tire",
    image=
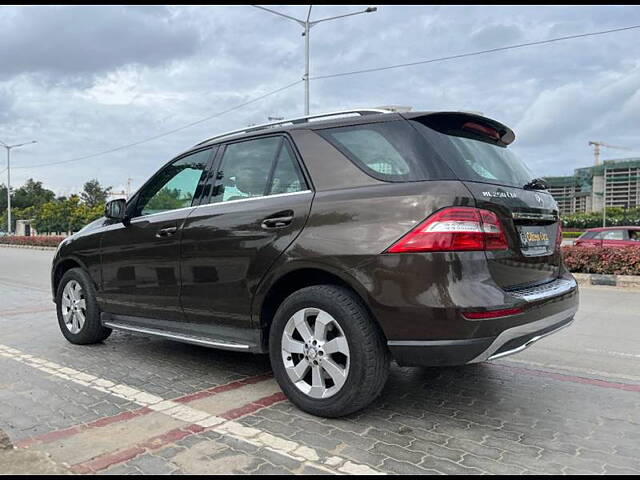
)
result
[(352, 371), (77, 309)]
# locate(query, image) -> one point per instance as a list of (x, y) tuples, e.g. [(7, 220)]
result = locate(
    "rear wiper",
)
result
[(536, 184)]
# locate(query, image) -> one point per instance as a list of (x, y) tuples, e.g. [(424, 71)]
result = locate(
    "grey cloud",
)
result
[(491, 36), (71, 40), (185, 63)]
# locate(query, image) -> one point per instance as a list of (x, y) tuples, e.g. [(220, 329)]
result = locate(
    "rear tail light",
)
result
[(453, 229)]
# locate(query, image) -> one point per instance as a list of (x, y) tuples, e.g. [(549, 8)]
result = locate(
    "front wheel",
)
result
[(77, 309), (327, 353)]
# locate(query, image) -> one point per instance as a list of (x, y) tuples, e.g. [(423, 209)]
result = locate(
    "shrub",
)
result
[(566, 234), (35, 240), (616, 217), (604, 260)]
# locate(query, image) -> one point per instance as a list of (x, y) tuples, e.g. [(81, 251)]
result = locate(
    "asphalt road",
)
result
[(568, 404)]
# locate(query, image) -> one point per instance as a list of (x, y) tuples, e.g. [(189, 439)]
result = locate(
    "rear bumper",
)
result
[(551, 308)]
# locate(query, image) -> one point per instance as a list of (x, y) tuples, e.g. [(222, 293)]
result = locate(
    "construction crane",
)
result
[(596, 150)]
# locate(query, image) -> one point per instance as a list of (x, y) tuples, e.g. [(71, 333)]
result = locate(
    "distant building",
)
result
[(582, 191), (24, 228)]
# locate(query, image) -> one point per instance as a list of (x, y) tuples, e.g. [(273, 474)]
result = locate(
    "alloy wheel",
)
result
[(74, 306), (315, 353)]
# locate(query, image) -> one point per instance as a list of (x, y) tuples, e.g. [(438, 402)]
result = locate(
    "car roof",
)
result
[(338, 119), (600, 229)]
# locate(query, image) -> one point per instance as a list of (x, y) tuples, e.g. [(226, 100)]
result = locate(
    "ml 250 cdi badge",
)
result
[(335, 243)]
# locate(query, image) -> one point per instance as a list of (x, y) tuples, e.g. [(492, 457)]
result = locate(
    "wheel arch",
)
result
[(296, 279), (62, 267)]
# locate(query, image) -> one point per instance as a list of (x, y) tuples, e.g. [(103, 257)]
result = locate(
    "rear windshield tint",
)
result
[(404, 151), (391, 151), (477, 160)]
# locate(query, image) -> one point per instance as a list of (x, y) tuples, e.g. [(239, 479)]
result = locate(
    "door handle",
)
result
[(166, 232), (278, 220)]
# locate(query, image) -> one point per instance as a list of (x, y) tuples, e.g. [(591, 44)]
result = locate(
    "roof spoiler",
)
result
[(466, 124)]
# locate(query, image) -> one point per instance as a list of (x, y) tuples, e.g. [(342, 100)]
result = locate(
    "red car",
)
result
[(609, 237)]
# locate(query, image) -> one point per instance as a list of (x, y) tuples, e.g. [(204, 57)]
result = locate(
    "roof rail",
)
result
[(297, 120)]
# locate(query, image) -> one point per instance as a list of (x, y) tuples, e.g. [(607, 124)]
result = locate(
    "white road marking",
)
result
[(254, 436), (613, 354), (609, 376)]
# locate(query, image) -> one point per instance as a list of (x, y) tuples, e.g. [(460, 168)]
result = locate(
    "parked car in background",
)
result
[(609, 237), (333, 243)]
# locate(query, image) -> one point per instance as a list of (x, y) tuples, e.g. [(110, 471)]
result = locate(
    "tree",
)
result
[(3, 198), (16, 214), (68, 215), (168, 199), (31, 194), (93, 194)]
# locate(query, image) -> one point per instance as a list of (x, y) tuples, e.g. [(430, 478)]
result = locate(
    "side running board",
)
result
[(180, 337)]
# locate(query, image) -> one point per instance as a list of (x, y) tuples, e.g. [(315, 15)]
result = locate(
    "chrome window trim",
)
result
[(262, 197)]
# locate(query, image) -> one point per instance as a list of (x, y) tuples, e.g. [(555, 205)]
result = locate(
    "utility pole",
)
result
[(307, 24), (8, 148)]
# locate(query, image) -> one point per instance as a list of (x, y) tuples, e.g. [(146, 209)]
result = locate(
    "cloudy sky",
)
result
[(86, 79)]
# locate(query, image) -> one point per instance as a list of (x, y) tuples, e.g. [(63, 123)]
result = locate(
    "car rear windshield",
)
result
[(402, 151)]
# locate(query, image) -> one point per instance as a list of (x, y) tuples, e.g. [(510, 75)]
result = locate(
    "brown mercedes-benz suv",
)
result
[(333, 242)]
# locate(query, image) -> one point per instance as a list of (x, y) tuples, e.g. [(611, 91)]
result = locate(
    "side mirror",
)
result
[(115, 209)]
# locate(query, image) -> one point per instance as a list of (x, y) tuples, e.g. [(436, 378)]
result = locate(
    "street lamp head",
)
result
[(371, 9)]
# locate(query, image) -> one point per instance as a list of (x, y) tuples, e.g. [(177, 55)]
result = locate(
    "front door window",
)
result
[(175, 186)]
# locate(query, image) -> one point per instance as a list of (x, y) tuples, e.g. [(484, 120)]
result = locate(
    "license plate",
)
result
[(534, 237)]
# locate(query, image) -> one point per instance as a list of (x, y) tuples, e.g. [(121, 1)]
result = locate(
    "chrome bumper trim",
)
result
[(542, 292), (522, 330), (529, 343)]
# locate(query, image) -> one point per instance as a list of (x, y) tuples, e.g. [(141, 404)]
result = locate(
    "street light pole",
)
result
[(604, 199), (8, 148), (307, 30), (307, 24)]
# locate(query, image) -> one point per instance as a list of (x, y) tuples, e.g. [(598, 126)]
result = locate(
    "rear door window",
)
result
[(257, 168), (612, 235), (286, 176)]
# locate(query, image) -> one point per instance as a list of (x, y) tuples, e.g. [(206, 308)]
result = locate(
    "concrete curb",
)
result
[(625, 281), (30, 247)]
